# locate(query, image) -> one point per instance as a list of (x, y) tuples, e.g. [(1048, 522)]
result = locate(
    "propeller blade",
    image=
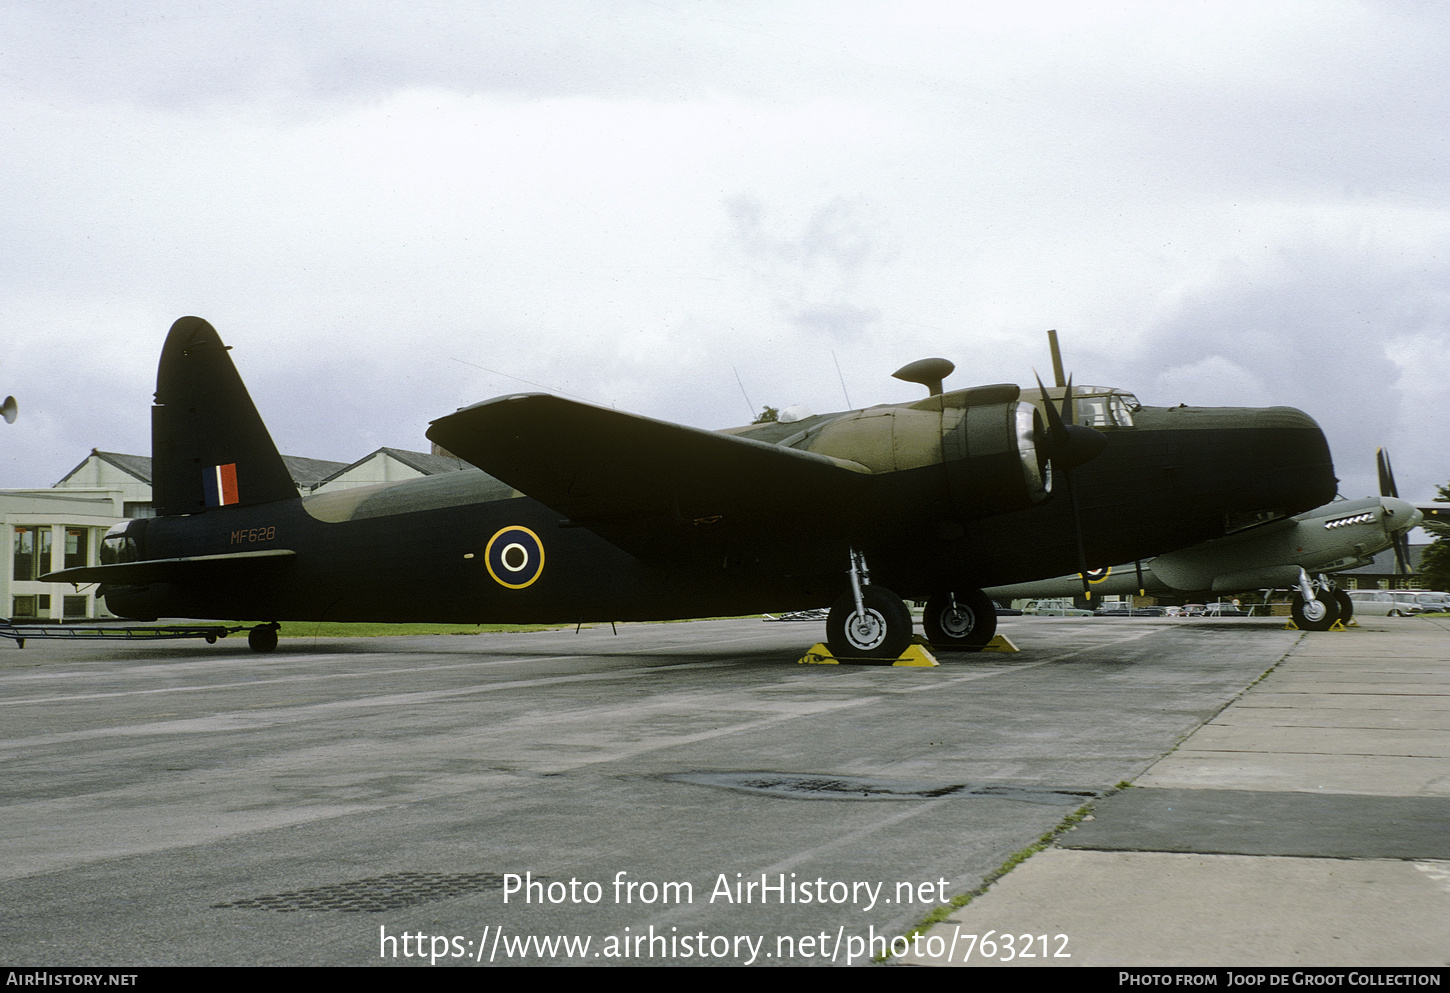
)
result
[(1387, 475), (1056, 356), (1082, 568), (1071, 445), (1055, 428), (1402, 554)]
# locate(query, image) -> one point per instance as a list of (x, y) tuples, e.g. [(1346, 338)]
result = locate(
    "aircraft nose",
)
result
[(1294, 446), (1285, 418), (1399, 515)]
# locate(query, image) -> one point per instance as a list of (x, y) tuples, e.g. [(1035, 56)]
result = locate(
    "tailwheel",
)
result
[(881, 630), (1314, 615), (263, 637), (963, 621)]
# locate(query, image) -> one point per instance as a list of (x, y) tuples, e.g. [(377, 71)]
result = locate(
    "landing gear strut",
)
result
[(869, 622), (1315, 610), (963, 621)]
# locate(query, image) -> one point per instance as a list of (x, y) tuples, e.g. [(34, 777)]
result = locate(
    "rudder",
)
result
[(209, 447)]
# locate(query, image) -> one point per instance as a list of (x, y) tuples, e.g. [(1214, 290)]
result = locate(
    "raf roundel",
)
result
[(514, 557), (1099, 574)]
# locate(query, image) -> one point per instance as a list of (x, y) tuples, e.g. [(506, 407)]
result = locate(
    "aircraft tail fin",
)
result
[(209, 447)]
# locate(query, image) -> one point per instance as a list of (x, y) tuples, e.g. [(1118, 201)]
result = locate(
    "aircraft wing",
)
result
[(648, 486)]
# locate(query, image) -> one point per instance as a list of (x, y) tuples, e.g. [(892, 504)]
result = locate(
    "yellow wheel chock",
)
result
[(819, 654), (1336, 626), (917, 654)]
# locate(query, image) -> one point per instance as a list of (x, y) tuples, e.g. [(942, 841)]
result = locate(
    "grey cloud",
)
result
[(179, 53)]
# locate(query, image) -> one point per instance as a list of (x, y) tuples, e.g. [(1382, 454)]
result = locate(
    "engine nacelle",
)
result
[(996, 457), (991, 446)]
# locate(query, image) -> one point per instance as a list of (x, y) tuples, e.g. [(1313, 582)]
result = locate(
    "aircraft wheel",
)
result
[(971, 624), (1314, 615), (882, 632), (1346, 605), (262, 638)]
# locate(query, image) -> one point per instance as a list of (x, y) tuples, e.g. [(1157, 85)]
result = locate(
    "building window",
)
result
[(75, 606), (22, 606), (32, 553), (77, 547)]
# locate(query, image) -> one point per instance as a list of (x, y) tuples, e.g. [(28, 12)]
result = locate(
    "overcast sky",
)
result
[(635, 201)]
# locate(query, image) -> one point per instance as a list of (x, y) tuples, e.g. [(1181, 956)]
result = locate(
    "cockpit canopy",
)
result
[(1097, 406)]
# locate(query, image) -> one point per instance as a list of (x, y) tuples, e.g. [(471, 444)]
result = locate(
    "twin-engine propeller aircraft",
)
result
[(588, 514)]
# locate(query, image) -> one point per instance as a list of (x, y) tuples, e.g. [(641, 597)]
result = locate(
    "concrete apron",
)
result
[(1308, 823)]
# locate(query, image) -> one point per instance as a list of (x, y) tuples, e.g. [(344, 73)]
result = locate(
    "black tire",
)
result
[(970, 626), (262, 638), (1346, 606), (883, 634), (1307, 615)]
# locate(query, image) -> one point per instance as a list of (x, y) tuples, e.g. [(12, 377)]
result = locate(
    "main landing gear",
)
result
[(966, 620), (1316, 607), (869, 622), (872, 622)]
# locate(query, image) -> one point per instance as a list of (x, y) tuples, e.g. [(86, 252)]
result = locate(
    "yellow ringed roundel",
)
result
[(1099, 574), (514, 557)]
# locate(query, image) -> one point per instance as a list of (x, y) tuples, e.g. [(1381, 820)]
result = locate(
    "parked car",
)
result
[(1055, 608), (1384, 603), (1433, 603), (1123, 610)]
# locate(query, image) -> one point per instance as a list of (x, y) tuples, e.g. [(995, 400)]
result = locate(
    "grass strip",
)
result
[(367, 629)]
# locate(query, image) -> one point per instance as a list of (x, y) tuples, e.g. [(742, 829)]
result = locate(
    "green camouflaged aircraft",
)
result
[(586, 514)]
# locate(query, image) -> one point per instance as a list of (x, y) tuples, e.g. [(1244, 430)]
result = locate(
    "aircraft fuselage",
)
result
[(463, 547)]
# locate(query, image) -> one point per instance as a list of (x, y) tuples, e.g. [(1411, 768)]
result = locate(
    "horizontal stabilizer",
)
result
[(191, 568), (644, 484)]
